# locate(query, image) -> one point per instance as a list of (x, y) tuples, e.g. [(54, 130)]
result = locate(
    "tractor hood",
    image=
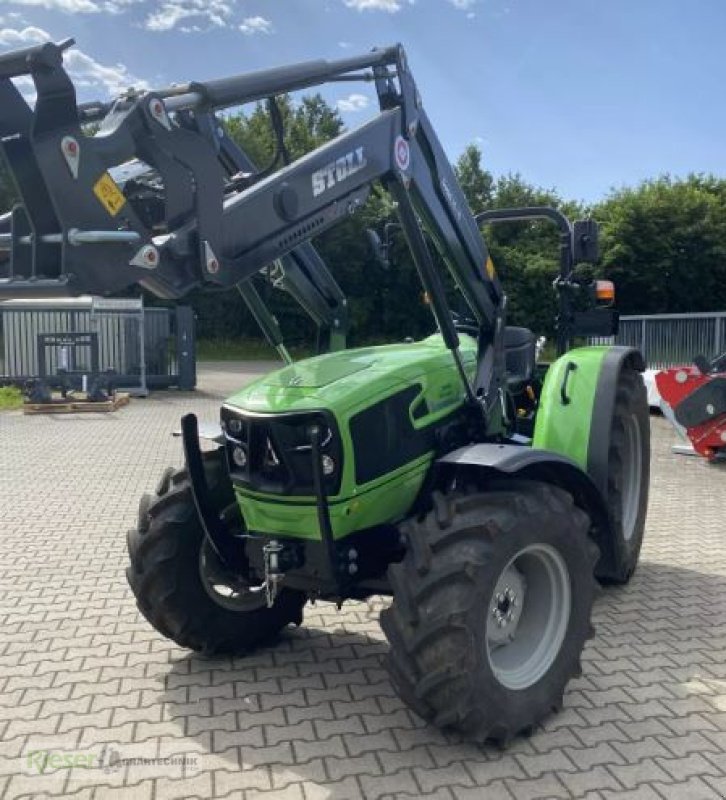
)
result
[(343, 380), (317, 372)]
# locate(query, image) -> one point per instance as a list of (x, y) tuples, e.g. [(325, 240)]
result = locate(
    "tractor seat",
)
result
[(519, 345)]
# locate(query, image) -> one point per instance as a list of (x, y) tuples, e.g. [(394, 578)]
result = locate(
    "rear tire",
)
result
[(169, 564), (628, 477), (520, 553)]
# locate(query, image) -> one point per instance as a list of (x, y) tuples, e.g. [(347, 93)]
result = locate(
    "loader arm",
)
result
[(90, 238)]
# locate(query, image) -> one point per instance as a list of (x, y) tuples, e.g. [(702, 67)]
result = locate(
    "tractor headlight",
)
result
[(236, 434), (239, 456)]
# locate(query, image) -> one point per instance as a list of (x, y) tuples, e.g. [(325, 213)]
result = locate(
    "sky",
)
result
[(578, 95)]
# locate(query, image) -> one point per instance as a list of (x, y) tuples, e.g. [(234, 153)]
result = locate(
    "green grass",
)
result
[(10, 398), (243, 350)]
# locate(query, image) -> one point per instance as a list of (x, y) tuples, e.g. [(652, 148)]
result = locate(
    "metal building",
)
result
[(147, 348)]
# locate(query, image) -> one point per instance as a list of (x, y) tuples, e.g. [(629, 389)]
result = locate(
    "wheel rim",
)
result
[(229, 591), (527, 616), (632, 466)]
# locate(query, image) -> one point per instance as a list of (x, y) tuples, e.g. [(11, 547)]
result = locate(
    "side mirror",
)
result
[(380, 250), (586, 246)]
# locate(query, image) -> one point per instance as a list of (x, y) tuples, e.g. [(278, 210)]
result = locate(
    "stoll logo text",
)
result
[(338, 171)]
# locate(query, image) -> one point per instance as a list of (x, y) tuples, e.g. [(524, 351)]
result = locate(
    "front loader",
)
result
[(484, 497)]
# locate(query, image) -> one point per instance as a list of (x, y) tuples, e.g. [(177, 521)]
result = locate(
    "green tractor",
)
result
[(485, 494), (354, 474)]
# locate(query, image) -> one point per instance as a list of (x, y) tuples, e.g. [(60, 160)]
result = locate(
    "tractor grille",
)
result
[(272, 453)]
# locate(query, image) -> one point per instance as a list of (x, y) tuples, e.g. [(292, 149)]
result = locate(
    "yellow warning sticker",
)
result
[(109, 194), (491, 272)]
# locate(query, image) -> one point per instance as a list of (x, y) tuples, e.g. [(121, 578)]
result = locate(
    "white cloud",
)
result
[(76, 6), (210, 13), (253, 25), (391, 6), (26, 87), (463, 5), (352, 103), (118, 6), (87, 73), (68, 6), (11, 37)]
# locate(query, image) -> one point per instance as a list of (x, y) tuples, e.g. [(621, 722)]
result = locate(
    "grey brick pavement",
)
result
[(315, 717)]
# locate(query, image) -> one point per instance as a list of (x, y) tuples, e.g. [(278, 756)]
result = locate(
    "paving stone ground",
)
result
[(82, 674)]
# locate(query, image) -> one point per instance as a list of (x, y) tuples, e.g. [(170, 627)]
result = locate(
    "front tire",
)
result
[(178, 583), (491, 608)]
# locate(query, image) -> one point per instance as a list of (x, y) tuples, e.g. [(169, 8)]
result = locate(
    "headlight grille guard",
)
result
[(278, 450)]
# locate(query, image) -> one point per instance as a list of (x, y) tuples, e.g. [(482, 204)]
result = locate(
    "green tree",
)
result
[(386, 303), (307, 125), (476, 182), (526, 254), (664, 244)]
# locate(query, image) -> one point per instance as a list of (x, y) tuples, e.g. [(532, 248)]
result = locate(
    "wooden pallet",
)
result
[(76, 403)]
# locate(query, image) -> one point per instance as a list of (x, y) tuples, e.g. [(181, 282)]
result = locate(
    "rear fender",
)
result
[(577, 403), (492, 461)]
